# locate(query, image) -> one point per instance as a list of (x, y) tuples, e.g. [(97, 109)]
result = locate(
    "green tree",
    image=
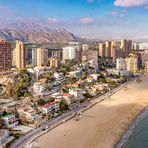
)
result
[(63, 105)]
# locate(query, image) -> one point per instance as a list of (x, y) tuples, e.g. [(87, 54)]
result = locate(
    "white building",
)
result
[(4, 135), (135, 46), (59, 78), (143, 46), (10, 121), (92, 78), (39, 88), (120, 64), (118, 72), (85, 47), (34, 57), (51, 107), (69, 98), (76, 73), (78, 93), (71, 52)]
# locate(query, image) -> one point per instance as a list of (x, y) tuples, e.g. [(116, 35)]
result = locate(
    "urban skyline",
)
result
[(73, 73), (113, 19)]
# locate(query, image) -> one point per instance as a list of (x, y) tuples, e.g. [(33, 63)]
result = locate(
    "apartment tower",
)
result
[(5, 56), (20, 55)]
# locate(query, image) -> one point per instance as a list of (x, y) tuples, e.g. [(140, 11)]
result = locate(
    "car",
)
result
[(45, 128)]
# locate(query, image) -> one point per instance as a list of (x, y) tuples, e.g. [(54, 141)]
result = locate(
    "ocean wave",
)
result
[(129, 132)]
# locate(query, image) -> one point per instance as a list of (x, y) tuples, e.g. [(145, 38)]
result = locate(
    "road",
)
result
[(2, 90), (22, 141)]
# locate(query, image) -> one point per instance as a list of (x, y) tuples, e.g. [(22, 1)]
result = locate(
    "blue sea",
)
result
[(137, 135)]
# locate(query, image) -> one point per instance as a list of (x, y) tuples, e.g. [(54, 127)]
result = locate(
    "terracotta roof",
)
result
[(67, 95), (50, 104)]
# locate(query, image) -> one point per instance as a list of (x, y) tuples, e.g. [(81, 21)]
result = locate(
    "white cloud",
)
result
[(119, 14), (130, 3), (52, 21), (87, 20)]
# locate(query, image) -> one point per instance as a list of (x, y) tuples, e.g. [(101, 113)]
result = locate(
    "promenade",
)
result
[(102, 125)]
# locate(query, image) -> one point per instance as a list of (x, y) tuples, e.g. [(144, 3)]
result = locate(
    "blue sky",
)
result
[(101, 19)]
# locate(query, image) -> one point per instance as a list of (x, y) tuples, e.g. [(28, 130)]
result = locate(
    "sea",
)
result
[(137, 135)]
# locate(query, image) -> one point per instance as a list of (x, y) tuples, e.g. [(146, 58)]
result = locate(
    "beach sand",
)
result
[(103, 125)]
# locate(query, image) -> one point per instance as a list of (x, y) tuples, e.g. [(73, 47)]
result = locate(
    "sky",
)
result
[(94, 19)]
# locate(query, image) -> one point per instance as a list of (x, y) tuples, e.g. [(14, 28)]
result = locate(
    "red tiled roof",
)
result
[(50, 104), (67, 95)]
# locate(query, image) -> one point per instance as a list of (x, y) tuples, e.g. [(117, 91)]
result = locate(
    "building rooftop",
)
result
[(67, 95), (2, 132), (50, 104), (7, 116)]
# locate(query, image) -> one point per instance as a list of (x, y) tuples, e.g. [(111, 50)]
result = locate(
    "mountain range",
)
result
[(28, 31)]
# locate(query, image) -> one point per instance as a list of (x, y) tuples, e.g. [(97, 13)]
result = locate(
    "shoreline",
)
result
[(131, 128), (110, 121), (94, 101)]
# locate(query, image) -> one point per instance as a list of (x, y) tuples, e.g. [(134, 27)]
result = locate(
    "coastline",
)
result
[(110, 122), (131, 128)]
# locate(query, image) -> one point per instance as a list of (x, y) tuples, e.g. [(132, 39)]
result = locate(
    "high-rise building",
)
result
[(135, 46), (34, 56), (54, 62), (108, 49), (29, 52), (132, 63), (72, 52), (41, 57), (126, 46), (92, 56), (5, 56), (55, 53), (20, 55), (120, 64), (144, 56), (85, 47), (114, 51), (13, 53), (146, 66), (102, 50)]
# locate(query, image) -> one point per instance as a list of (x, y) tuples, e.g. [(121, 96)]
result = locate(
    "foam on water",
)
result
[(137, 135)]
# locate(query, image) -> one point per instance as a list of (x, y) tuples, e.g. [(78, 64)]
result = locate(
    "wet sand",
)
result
[(103, 125)]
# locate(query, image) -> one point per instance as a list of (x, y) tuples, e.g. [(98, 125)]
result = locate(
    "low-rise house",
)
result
[(92, 92), (39, 88), (92, 78), (51, 107), (69, 98), (73, 85), (118, 72), (56, 95), (4, 135), (85, 65), (77, 73), (10, 121), (59, 78), (27, 112), (78, 93)]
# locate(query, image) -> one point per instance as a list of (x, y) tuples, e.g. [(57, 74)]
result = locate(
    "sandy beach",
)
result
[(103, 125)]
